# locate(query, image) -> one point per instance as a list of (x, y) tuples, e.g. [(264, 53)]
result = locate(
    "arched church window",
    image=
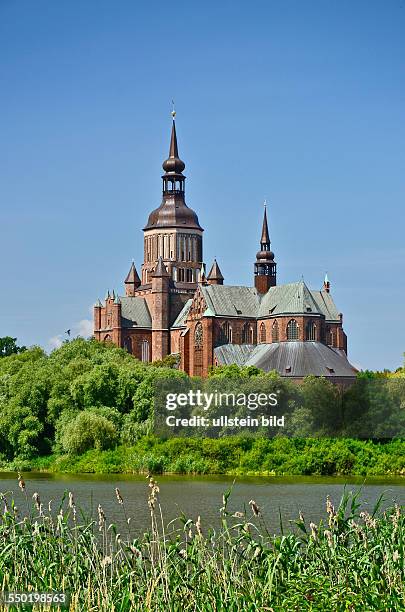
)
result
[(274, 332), (332, 341), (310, 331), (247, 334), (292, 330), (226, 333), (198, 350), (145, 350), (262, 335), (198, 336)]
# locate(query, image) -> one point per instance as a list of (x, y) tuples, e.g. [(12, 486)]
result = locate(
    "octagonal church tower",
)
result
[(140, 321)]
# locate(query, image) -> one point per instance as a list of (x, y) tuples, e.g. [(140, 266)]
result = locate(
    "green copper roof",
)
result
[(135, 312), (293, 298), (182, 316), (229, 301), (208, 312), (326, 305)]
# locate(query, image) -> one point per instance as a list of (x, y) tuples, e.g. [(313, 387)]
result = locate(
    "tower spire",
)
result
[(173, 165), (173, 211), (265, 266), (174, 150), (180, 246), (265, 239)]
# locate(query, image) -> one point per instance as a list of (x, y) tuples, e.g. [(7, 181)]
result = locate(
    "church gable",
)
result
[(198, 305)]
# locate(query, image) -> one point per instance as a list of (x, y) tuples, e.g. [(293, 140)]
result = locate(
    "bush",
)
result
[(89, 430)]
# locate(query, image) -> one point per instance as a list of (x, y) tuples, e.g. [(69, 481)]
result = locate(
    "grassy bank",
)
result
[(354, 562), (234, 456)]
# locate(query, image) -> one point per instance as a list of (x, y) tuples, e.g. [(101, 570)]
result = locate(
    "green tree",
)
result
[(8, 346), (89, 430), (323, 400)]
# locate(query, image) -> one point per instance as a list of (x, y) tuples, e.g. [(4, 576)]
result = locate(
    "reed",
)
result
[(352, 561)]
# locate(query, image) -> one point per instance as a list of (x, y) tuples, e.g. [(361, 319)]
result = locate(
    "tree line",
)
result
[(89, 395)]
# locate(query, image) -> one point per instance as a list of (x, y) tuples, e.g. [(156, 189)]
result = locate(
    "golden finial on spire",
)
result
[(173, 113)]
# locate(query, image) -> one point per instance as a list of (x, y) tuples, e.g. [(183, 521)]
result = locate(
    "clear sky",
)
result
[(301, 103)]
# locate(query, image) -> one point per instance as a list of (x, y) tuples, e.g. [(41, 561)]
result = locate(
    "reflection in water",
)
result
[(202, 495)]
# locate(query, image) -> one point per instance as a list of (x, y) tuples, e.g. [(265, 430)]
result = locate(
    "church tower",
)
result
[(265, 266), (173, 231)]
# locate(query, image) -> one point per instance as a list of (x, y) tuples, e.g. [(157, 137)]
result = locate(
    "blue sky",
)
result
[(302, 103)]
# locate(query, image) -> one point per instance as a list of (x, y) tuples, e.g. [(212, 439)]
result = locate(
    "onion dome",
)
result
[(173, 211), (265, 255)]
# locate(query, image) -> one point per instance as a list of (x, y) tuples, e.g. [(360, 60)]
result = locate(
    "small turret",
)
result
[(97, 315), (215, 275), (202, 279), (326, 284), (132, 281), (160, 270)]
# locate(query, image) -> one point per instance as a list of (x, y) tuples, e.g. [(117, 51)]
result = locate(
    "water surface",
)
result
[(202, 495)]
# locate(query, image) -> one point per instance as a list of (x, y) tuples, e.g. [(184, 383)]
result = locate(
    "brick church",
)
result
[(174, 307)]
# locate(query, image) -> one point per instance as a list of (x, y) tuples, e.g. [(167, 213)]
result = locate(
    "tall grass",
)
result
[(355, 561)]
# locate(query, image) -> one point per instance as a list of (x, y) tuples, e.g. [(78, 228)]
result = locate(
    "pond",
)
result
[(202, 495)]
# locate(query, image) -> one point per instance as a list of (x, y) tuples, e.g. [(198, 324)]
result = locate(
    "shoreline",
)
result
[(394, 479), (232, 457)]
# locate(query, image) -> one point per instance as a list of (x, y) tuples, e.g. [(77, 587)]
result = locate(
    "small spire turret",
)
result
[(160, 269), (215, 275), (132, 281), (265, 266), (203, 279)]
